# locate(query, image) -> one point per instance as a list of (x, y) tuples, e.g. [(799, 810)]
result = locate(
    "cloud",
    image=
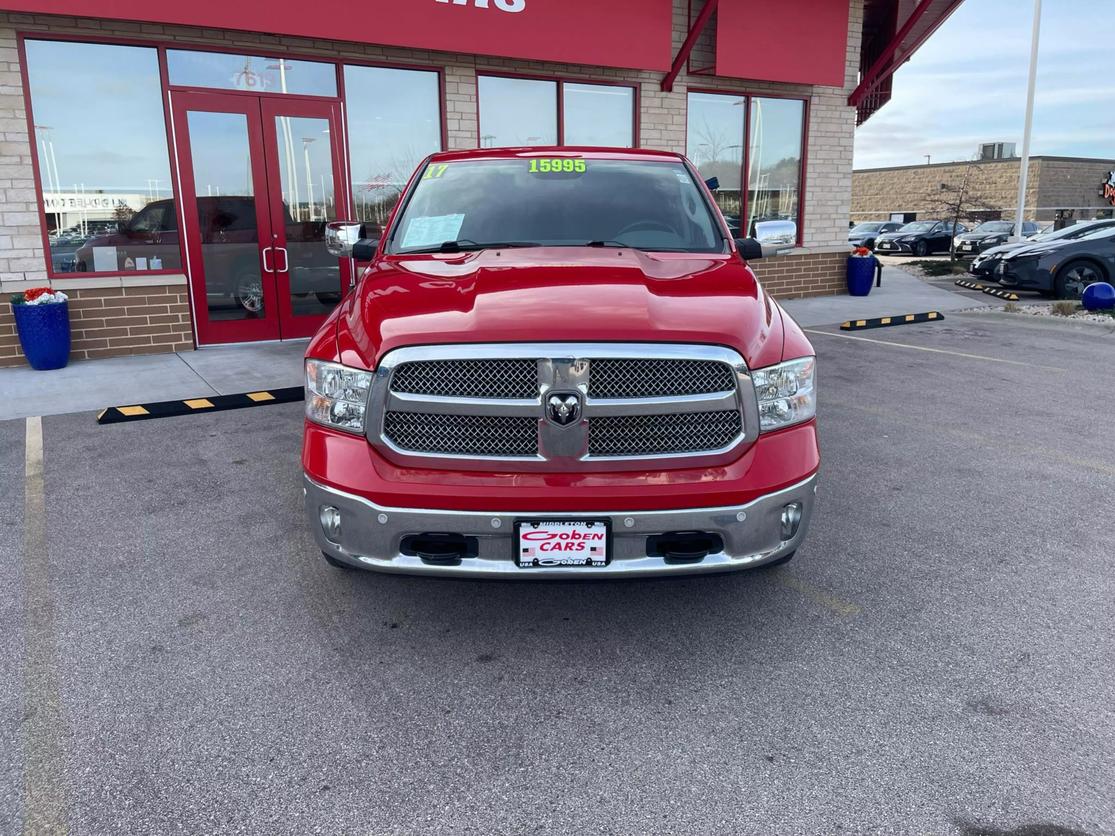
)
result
[(967, 85)]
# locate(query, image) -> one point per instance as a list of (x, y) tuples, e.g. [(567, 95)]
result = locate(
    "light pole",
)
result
[(1024, 167)]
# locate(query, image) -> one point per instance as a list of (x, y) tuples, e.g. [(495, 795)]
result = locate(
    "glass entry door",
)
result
[(260, 179)]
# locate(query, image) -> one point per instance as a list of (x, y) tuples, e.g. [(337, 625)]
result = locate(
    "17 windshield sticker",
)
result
[(432, 230)]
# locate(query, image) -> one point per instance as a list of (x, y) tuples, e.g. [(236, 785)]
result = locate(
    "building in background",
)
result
[(1060, 190), (172, 166)]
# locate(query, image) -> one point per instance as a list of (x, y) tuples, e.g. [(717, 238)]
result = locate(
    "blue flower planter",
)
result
[(44, 333), (861, 275)]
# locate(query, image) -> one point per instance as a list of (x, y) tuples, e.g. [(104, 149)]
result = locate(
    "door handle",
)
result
[(267, 267), (286, 263)]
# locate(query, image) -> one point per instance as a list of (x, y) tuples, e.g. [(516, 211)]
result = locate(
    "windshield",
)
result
[(1077, 231), (918, 226), (865, 228), (995, 226), (556, 201)]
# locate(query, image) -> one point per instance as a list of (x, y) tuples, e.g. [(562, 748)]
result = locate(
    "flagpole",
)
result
[(1024, 169)]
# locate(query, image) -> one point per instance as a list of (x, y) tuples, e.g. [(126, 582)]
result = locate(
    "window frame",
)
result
[(560, 81), (745, 173), (161, 48)]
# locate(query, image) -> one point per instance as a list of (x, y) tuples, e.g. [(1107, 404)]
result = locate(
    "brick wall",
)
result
[(662, 125), (110, 322), (797, 276)]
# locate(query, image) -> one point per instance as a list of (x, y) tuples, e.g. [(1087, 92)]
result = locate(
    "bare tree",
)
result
[(961, 201)]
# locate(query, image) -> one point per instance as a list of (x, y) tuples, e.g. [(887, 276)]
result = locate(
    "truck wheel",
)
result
[(249, 293), (1070, 281), (336, 564), (779, 562)]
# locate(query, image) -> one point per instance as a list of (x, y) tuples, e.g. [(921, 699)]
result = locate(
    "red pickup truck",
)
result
[(557, 364)]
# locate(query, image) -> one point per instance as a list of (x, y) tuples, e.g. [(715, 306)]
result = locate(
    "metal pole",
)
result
[(1024, 169)]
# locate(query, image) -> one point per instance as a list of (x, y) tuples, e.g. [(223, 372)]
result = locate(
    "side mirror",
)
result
[(749, 249), (349, 239)]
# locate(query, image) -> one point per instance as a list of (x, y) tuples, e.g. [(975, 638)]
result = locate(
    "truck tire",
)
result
[(336, 564)]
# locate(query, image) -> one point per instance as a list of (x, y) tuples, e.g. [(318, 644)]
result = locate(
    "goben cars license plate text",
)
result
[(562, 543)]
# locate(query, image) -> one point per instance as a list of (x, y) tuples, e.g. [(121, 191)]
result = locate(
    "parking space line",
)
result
[(44, 807), (816, 595), (934, 350)]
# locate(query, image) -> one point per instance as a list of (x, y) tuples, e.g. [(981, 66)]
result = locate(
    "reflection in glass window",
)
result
[(599, 114), (251, 73), (100, 134), (714, 141), (774, 178), (517, 111), (394, 122)]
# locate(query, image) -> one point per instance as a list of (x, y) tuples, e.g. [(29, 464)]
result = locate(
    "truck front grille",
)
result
[(472, 406), (650, 435), (462, 435), (622, 378), (511, 378)]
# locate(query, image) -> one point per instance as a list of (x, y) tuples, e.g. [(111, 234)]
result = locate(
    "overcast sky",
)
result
[(967, 85)]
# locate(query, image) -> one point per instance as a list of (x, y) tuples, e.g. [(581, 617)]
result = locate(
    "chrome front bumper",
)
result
[(371, 536)]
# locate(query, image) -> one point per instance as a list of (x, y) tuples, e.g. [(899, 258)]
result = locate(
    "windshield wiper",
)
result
[(609, 244), (464, 245)]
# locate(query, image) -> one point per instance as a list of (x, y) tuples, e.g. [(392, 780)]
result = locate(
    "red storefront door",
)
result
[(260, 178)]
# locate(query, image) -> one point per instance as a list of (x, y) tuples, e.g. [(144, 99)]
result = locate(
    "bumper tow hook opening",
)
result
[(684, 546), (440, 549)]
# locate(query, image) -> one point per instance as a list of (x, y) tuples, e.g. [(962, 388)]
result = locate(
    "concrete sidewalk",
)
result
[(901, 293), (88, 385)]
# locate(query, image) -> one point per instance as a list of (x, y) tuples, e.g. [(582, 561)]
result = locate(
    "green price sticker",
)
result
[(435, 172), (557, 166)]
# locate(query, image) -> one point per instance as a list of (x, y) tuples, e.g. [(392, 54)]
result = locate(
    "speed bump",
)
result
[(195, 406), (891, 321), (970, 285), (1001, 294)]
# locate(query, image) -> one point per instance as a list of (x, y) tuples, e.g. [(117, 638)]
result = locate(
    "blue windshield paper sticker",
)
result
[(433, 230)]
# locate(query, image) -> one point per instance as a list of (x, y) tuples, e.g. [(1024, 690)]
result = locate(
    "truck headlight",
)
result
[(336, 395), (787, 393)]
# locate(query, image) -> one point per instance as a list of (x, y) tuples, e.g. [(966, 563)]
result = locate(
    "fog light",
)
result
[(791, 519), (330, 518)]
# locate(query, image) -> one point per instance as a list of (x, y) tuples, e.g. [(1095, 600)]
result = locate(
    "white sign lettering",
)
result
[(502, 5)]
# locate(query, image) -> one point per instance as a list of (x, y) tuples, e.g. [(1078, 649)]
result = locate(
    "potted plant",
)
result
[(42, 318), (861, 271)]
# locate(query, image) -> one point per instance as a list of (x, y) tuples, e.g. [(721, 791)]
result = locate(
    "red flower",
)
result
[(35, 292)]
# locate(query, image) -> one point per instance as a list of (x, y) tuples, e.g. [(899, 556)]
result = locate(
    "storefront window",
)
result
[(104, 168), (517, 111), (774, 132), (599, 114), (394, 121), (714, 139), (251, 73), (774, 179)]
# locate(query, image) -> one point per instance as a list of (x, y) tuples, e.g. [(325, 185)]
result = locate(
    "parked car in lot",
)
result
[(986, 262), (1063, 267), (864, 234), (549, 353), (920, 238), (991, 234)]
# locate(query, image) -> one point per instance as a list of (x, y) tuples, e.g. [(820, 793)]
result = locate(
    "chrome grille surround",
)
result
[(662, 425)]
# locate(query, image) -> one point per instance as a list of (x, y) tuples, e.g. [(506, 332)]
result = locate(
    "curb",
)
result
[(195, 406), (1001, 294), (891, 321)]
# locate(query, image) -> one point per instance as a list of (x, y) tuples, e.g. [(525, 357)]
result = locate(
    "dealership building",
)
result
[(172, 167), (1059, 190)]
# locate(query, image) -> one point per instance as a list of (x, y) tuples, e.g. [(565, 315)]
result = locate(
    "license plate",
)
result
[(547, 544), (884, 246)]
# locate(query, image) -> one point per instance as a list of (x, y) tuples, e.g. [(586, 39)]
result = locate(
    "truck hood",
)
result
[(561, 295)]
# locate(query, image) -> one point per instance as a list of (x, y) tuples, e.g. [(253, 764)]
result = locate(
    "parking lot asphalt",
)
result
[(938, 658)]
